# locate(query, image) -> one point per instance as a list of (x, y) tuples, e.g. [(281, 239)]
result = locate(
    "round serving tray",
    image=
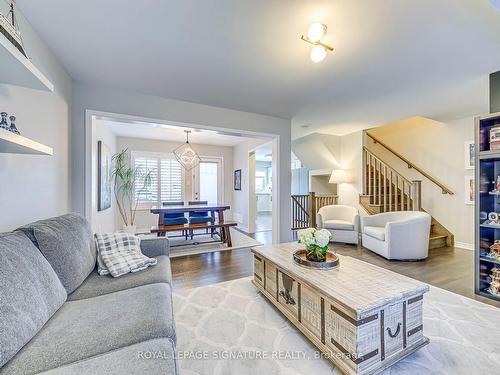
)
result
[(332, 261)]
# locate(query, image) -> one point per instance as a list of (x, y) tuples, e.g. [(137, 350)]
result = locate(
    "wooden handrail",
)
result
[(401, 177), (305, 207), (443, 187)]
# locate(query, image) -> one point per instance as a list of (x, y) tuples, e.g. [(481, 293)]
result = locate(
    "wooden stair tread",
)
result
[(435, 236)]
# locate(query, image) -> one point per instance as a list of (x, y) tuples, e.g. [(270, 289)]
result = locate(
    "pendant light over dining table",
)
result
[(186, 155)]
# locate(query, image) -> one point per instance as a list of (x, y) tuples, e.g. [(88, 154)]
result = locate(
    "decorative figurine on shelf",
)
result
[(495, 250), (8, 27), (495, 282), (484, 183), (496, 184), (13, 128), (3, 121), (493, 219)]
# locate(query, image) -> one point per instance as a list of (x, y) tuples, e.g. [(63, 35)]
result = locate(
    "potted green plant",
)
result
[(316, 242), (125, 180)]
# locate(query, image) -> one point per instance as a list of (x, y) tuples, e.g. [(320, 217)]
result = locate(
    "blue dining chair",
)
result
[(200, 217), (174, 218), (177, 218)]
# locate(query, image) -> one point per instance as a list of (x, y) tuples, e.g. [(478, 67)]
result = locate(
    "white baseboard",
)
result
[(241, 227), (464, 245)]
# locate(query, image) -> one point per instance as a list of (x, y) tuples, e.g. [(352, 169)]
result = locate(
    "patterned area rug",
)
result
[(196, 246), (230, 328)]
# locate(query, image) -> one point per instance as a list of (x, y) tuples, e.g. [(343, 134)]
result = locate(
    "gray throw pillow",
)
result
[(30, 293), (66, 242)]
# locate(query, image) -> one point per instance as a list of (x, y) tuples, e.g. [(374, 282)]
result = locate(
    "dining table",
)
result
[(216, 211)]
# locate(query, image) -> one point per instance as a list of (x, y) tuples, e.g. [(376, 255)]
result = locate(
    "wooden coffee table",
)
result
[(362, 317)]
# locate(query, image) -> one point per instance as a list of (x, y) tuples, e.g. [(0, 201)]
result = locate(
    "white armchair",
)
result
[(341, 221), (402, 235)]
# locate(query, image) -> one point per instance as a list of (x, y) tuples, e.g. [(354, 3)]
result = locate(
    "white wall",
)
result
[(437, 148), (318, 151), (326, 152), (351, 146), (35, 187), (145, 219), (91, 97), (241, 204), (102, 221)]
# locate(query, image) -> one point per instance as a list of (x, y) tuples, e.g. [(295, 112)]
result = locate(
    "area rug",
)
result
[(230, 328), (196, 246)]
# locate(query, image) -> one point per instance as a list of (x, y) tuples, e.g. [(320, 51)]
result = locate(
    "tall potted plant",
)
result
[(125, 180)]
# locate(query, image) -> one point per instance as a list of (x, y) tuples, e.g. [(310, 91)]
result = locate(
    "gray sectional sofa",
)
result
[(58, 316)]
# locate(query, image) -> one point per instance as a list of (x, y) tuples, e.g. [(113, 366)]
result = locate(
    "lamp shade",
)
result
[(338, 176)]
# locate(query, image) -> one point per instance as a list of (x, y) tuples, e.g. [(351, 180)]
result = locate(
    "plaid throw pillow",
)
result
[(120, 253)]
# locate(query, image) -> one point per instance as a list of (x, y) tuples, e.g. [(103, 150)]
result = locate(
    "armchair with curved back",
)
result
[(342, 221), (401, 235)]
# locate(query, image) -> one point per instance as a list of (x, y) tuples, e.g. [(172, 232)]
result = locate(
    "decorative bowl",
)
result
[(332, 260)]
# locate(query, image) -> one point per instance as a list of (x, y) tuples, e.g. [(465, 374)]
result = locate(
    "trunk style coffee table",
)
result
[(362, 317)]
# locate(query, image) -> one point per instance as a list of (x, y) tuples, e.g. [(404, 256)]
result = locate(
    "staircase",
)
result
[(386, 190), (305, 207)]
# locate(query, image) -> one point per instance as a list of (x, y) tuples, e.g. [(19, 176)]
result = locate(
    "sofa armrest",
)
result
[(319, 221), (409, 233), (355, 222), (374, 221), (153, 247)]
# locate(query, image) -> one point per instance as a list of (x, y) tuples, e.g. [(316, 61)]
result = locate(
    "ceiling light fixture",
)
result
[(314, 34), (186, 155)]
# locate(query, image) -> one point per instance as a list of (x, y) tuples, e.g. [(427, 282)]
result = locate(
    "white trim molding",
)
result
[(464, 245)]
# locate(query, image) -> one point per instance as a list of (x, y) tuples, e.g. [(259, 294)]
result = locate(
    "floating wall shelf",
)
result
[(16, 69), (11, 143)]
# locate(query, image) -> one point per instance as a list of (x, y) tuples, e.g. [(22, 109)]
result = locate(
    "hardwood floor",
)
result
[(447, 268)]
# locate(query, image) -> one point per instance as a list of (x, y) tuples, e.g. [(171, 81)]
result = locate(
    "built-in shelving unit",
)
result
[(487, 185), (16, 69), (16, 144)]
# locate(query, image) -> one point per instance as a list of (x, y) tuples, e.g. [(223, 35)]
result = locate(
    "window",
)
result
[(171, 180), (260, 180), (166, 178), (296, 163)]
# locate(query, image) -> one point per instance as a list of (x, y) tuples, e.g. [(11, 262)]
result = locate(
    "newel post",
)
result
[(417, 195), (312, 209)]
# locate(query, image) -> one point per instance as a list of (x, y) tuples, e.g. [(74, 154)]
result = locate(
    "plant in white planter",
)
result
[(126, 178), (316, 242)]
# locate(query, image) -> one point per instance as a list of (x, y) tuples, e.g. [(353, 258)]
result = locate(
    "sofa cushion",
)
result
[(66, 242), (338, 225), (96, 285), (86, 328), (30, 293), (375, 232), (135, 359)]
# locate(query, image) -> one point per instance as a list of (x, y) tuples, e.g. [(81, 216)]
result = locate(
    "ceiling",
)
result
[(264, 152), (171, 133), (393, 58)]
